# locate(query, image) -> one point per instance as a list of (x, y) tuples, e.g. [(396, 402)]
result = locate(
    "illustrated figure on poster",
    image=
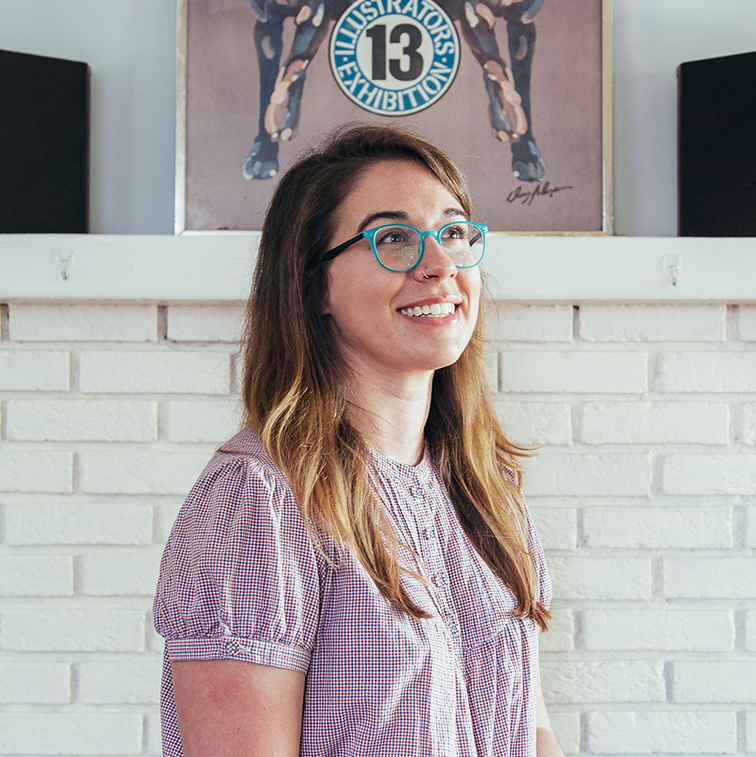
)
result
[(508, 88)]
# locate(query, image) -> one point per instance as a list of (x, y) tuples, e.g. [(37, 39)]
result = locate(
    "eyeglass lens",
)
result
[(398, 247)]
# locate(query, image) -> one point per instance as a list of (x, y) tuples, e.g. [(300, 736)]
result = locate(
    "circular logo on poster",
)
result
[(394, 57)]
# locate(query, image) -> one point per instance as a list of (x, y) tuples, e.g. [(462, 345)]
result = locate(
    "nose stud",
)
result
[(425, 275)]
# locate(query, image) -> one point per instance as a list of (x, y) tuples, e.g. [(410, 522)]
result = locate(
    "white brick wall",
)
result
[(747, 431), (652, 323), (662, 732), (720, 681), (38, 322), (72, 733), (35, 683), (660, 630), (81, 420), (654, 423), (747, 323), (34, 371), (211, 323), (658, 528), (644, 492)]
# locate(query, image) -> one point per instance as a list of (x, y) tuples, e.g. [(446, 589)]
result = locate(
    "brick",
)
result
[(41, 472), (205, 323), (36, 576), (652, 323), (557, 527), (654, 423), (579, 682), (750, 634), (601, 577), (747, 431), (165, 517), (566, 727), (155, 642), (35, 683), (120, 573), (154, 742), (751, 530), (203, 420), (647, 732), (81, 420), (714, 372), (535, 423), (658, 527), (42, 322), (561, 634), (34, 371), (747, 323), (511, 322), (111, 523), (79, 630), (583, 474), (750, 729), (709, 577), (580, 372), (709, 474), (53, 733), (490, 369), (659, 630), (120, 682), (121, 472), (155, 371), (714, 681)]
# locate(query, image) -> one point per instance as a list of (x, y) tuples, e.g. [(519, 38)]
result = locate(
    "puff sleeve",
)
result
[(239, 578)]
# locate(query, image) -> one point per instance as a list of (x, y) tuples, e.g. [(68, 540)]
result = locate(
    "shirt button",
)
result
[(416, 491)]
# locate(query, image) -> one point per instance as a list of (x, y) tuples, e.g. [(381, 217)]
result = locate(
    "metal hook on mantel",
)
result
[(65, 264), (671, 266)]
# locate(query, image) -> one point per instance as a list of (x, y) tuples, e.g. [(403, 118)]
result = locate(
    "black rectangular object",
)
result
[(716, 139), (44, 144)]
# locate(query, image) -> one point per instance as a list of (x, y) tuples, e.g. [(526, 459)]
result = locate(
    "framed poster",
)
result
[(518, 92)]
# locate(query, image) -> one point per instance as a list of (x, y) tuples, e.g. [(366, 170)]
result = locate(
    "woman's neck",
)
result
[(390, 414)]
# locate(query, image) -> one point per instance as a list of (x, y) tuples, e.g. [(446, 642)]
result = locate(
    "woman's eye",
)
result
[(392, 236), (455, 232)]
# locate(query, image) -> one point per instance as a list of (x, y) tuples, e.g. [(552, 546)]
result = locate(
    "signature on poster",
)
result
[(395, 58), (526, 196)]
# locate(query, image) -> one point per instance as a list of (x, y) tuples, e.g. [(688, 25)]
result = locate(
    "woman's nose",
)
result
[(436, 263)]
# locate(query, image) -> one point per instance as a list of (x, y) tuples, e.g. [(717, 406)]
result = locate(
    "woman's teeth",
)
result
[(436, 310)]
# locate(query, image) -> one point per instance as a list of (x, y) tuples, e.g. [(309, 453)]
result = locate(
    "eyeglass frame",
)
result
[(369, 234)]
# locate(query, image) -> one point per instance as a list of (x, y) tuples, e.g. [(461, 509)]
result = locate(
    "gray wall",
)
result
[(130, 46)]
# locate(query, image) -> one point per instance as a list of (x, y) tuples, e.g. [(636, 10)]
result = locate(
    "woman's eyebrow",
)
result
[(450, 212), (389, 215), (400, 215)]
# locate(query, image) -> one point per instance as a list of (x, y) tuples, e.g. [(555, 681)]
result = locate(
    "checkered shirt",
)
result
[(241, 579)]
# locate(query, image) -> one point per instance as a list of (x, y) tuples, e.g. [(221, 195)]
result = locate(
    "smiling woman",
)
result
[(356, 572)]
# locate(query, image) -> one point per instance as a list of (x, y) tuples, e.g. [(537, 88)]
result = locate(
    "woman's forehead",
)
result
[(394, 187)]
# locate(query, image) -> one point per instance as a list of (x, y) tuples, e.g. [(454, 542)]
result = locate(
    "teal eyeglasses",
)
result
[(399, 248)]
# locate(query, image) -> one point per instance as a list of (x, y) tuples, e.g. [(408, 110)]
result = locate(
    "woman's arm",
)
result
[(546, 743), (228, 708)]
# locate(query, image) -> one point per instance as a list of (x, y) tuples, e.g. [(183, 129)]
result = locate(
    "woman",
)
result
[(355, 573)]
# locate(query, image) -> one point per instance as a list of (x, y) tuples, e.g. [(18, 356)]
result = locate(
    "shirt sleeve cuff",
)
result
[(245, 650)]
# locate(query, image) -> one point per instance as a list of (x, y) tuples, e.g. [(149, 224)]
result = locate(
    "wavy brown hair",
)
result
[(293, 375)]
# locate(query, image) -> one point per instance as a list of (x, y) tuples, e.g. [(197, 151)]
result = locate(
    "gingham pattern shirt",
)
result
[(241, 579)]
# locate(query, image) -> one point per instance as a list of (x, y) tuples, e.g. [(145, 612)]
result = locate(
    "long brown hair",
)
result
[(293, 375)]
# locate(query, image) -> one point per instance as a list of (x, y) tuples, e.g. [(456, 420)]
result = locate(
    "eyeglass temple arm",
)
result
[(331, 254)]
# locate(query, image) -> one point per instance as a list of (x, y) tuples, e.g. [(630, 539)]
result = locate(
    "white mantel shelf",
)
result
[(218, 268)]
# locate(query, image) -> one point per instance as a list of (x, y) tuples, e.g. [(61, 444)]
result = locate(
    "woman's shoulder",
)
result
[(241, 475), (244, 449)]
